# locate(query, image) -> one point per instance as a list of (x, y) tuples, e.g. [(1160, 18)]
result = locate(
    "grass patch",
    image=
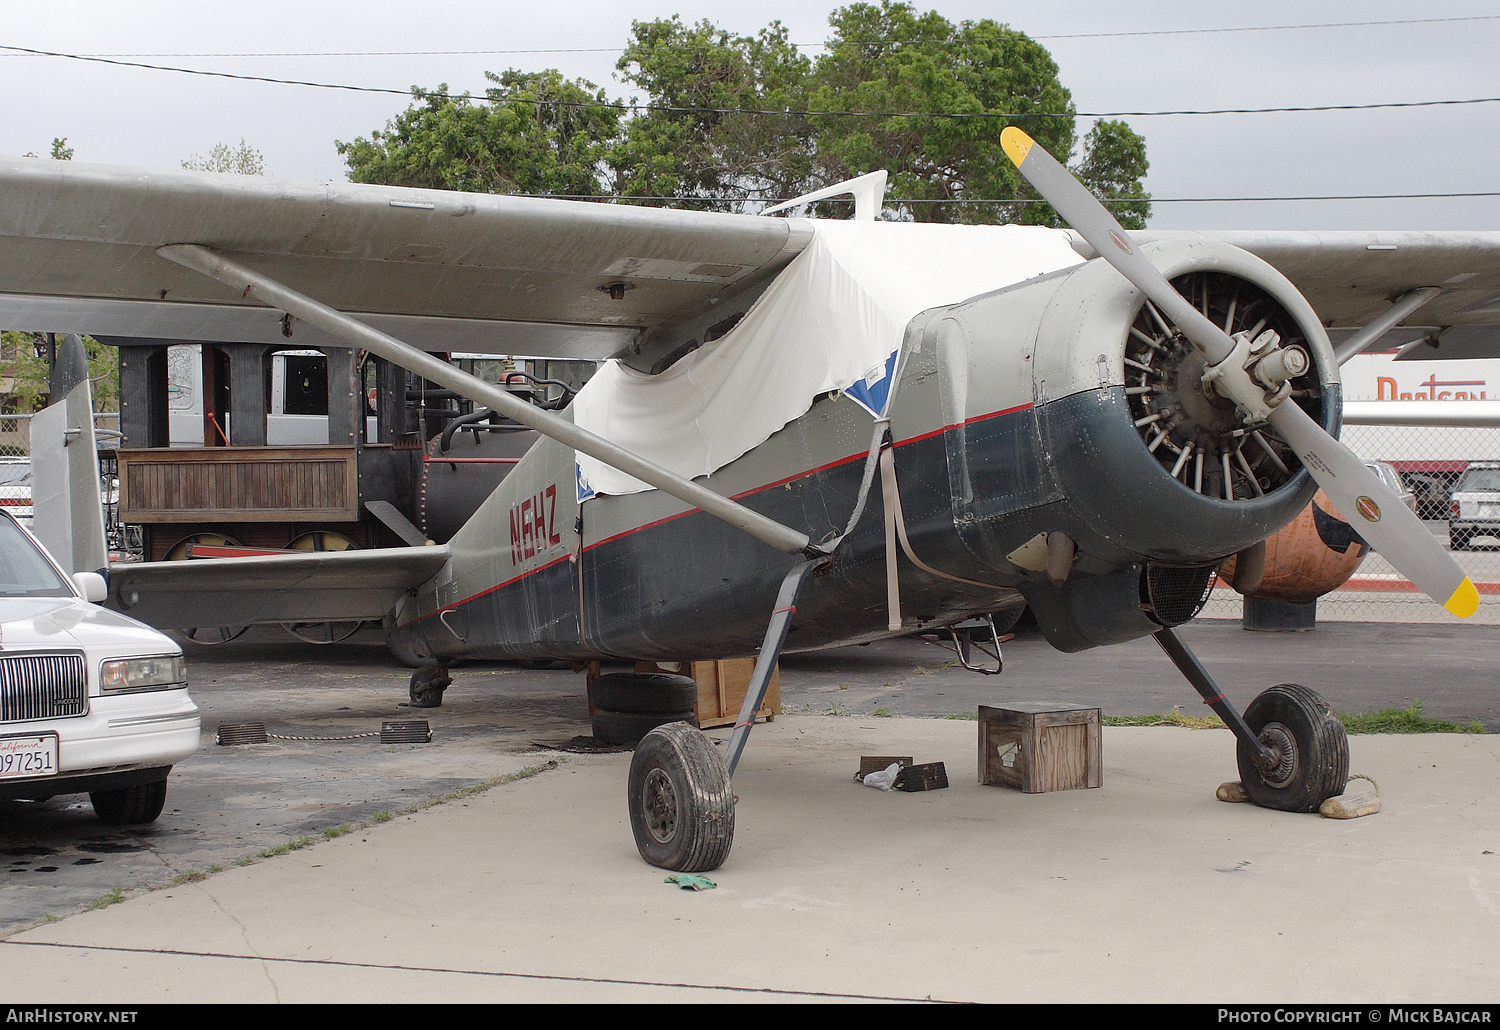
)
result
[(1384, 720), (191, 876), (331, 832), (295, 844), (922, 670), (1172, 718), (382, 816), (114, 897), (837, 709), (882, 712), (1405, 720), (963, 716)]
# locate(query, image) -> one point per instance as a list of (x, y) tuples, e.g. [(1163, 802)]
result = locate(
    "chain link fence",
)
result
[(1431, 462)]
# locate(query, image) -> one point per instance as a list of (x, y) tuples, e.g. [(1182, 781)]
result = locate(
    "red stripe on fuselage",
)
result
[(748, 493)]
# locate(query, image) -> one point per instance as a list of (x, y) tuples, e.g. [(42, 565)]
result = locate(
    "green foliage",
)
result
[(27, 372), (539, 133), (241, 160), (699, 156), (1405, 720), (60, 149), (700, 134)]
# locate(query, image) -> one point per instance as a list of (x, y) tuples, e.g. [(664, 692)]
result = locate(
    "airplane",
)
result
[(812, 432)]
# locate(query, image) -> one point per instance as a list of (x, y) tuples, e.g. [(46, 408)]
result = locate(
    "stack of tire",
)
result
[(628, 705)]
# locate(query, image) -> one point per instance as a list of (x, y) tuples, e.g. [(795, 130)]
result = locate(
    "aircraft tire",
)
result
[(630, 727), (427, 686), (648, 693), (133, 805), (681, 803), (1298, 725)]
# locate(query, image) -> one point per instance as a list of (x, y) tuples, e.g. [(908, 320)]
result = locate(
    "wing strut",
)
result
[(353, 331)]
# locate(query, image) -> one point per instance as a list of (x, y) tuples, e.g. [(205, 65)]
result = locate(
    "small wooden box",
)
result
[(1039, 746)]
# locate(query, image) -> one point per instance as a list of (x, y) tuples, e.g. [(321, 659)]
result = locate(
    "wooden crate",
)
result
[(1039, 746), (721, 688)]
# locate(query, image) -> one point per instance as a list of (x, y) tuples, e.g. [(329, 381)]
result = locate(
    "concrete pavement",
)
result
[(1145, 889)]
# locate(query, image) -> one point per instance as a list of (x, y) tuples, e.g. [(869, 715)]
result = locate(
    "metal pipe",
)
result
[(272, 293), (1405, 305)]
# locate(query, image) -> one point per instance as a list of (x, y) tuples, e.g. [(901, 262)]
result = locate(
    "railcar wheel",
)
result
[(1310, 746), (183, 550), (681, 804), (322, 632)]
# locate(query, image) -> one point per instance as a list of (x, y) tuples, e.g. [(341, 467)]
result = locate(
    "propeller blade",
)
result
[(1387, 524)]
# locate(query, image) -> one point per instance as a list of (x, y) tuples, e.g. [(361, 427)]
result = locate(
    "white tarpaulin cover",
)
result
[(833, 320)]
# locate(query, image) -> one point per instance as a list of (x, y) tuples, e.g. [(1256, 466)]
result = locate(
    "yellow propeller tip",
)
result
[(1016, 144), (1465, 600)]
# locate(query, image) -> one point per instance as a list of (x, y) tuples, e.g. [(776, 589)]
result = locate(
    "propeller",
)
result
[(1234, 371)]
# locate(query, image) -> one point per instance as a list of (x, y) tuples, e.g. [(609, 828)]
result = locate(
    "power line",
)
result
[(623, 106), (862, 42)]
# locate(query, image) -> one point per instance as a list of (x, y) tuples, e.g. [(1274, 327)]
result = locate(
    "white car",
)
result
[(90, 701)]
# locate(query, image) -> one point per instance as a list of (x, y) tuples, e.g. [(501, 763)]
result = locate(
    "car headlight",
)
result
[(130, 674)]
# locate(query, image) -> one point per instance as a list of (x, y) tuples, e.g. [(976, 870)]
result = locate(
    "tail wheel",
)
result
[(183, 550), (322, 632), (1309, 745), (681, 804)]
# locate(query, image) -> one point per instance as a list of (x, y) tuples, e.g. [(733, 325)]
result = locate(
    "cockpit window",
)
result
[(24, 570)]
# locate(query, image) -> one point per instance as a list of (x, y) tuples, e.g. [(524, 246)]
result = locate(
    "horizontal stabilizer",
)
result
[(318, 586)]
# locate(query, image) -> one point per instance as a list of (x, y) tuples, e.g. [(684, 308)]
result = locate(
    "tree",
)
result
[(60, 149), (23, 365), (698, 153), (728, 120), (536, 132), (241, 160), (891, 59)]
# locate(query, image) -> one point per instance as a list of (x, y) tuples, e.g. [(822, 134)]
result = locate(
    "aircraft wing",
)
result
[(1352, 277), (319, 586), (441, 270)]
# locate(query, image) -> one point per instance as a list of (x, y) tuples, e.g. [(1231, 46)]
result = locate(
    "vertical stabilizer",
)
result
[(68, 516)]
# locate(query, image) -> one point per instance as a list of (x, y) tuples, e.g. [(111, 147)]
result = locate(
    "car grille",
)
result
[(42, 687)]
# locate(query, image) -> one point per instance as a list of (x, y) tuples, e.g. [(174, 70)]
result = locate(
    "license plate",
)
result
[(1489, 511), (24, 757)]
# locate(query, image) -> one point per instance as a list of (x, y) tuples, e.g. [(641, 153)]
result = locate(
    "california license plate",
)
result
[(23, 757)]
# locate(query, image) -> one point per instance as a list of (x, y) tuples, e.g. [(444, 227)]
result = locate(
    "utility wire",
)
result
[(804, 46), (623, 106)]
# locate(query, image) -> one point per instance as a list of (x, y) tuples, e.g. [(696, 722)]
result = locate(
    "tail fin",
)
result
[(67, 510)]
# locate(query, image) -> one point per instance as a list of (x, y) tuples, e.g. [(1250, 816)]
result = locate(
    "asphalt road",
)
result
[(228, 805)]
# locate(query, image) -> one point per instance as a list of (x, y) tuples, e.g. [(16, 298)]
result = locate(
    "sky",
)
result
[(131, 116)]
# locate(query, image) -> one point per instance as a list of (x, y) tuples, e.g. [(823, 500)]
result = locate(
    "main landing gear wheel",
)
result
[(427, 686), (681, 804), (181, 551), (1308, 742)]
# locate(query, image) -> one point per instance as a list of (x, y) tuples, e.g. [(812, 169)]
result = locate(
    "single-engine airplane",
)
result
[(812, 432)]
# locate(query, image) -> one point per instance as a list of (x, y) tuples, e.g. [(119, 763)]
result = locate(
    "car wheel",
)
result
[(140, 803)]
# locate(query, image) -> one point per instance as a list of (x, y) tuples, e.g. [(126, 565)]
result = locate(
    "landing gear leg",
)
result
[(681, 802), (427, 686), (1292, 751)]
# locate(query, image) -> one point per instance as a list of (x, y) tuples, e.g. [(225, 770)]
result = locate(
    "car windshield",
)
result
[(24, 570), (1479, 479)]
